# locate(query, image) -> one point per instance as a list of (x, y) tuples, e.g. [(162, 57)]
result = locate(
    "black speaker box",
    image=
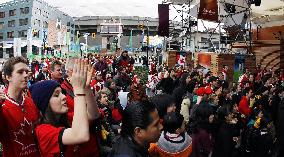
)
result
[(163, 29)]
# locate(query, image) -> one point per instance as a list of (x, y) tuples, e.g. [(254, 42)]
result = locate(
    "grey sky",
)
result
[(146, 8)]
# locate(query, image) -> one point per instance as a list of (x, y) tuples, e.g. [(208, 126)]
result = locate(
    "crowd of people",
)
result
[(71, 107)]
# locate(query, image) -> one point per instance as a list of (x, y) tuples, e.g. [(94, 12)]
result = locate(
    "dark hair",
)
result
[(183, 78), (50, 118), (200, 117), (108, 83), (136, 115), (223, 112), (162, 102), (100, 93), (56, 62), (246, 91), (10, 63), (172, 121)]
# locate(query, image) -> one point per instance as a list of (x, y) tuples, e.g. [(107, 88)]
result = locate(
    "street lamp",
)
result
[(44, 41)]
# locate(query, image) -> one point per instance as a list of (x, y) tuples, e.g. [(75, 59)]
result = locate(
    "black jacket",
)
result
[(127, 147)]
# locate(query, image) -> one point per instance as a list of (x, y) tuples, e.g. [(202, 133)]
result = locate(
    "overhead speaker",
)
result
[(257, 2), (163, 29), (230, 8)]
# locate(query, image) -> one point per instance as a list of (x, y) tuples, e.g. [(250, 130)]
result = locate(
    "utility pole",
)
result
[(147, 42)]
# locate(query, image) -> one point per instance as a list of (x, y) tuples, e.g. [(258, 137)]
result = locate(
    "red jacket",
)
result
[(244, 106)]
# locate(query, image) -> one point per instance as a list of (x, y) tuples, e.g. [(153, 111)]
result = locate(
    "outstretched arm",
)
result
[(79, 132)]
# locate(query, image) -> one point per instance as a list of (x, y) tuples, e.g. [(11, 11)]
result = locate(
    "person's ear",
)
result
[(8, 78), (138, 132)]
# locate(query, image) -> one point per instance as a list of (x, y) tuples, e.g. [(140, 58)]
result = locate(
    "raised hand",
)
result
[(79, 76)]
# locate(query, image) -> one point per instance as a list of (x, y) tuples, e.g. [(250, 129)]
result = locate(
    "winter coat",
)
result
[(172, 145)]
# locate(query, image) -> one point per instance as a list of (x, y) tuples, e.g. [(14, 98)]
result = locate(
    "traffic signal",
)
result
[(93, 35), (141, 26)]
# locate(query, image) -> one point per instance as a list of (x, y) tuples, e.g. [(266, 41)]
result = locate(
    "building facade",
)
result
[(36, 24), (134, 31)]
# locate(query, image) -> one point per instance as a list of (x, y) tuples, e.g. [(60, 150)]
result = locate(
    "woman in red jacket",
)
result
[(55, 136)]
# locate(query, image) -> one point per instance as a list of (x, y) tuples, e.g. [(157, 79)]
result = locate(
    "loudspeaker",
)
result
[(163, 29), (257, 2), (230, 8)]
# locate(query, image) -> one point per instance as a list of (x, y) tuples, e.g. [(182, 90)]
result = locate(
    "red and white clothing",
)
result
[(224, 72), (16, 121), (97, 85), (243, 79)]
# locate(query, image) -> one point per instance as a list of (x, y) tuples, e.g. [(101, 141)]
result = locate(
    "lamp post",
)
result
[(147, 63), (44, 41)]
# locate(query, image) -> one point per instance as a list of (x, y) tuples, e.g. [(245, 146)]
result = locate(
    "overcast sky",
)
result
[(146, 8)]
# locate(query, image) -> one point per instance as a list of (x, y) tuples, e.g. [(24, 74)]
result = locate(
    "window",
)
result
[(45, 24), (12, 12), (11, 23), (2, 14), (1, 25), (37, 22), (10, 34), (72, 38), (24, 22), (25, 10), (68, 23), (1, 36), (72, 32), (23, 34), (72, 25)]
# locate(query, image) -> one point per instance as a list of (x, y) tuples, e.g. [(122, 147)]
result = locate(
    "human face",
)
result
[(104, 99), (173, 73), (250, 93), (57, 73), (171, 108), (152, 133), (99, 77), (101, 58), (188, 79), (44, 69), (57, 102), (251, 78), (221, 77), (112, 85), (19, 77), (124, 54)]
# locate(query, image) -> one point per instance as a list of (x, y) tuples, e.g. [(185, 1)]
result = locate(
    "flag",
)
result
[(77, 37), (180, 58), (208, 10), (130, 40), (68, 34)]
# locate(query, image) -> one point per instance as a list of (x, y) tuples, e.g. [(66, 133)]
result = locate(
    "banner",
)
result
[(208, 10), (204, 60), (180, 58), (17, 47), (130, 40), (239, 66)]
